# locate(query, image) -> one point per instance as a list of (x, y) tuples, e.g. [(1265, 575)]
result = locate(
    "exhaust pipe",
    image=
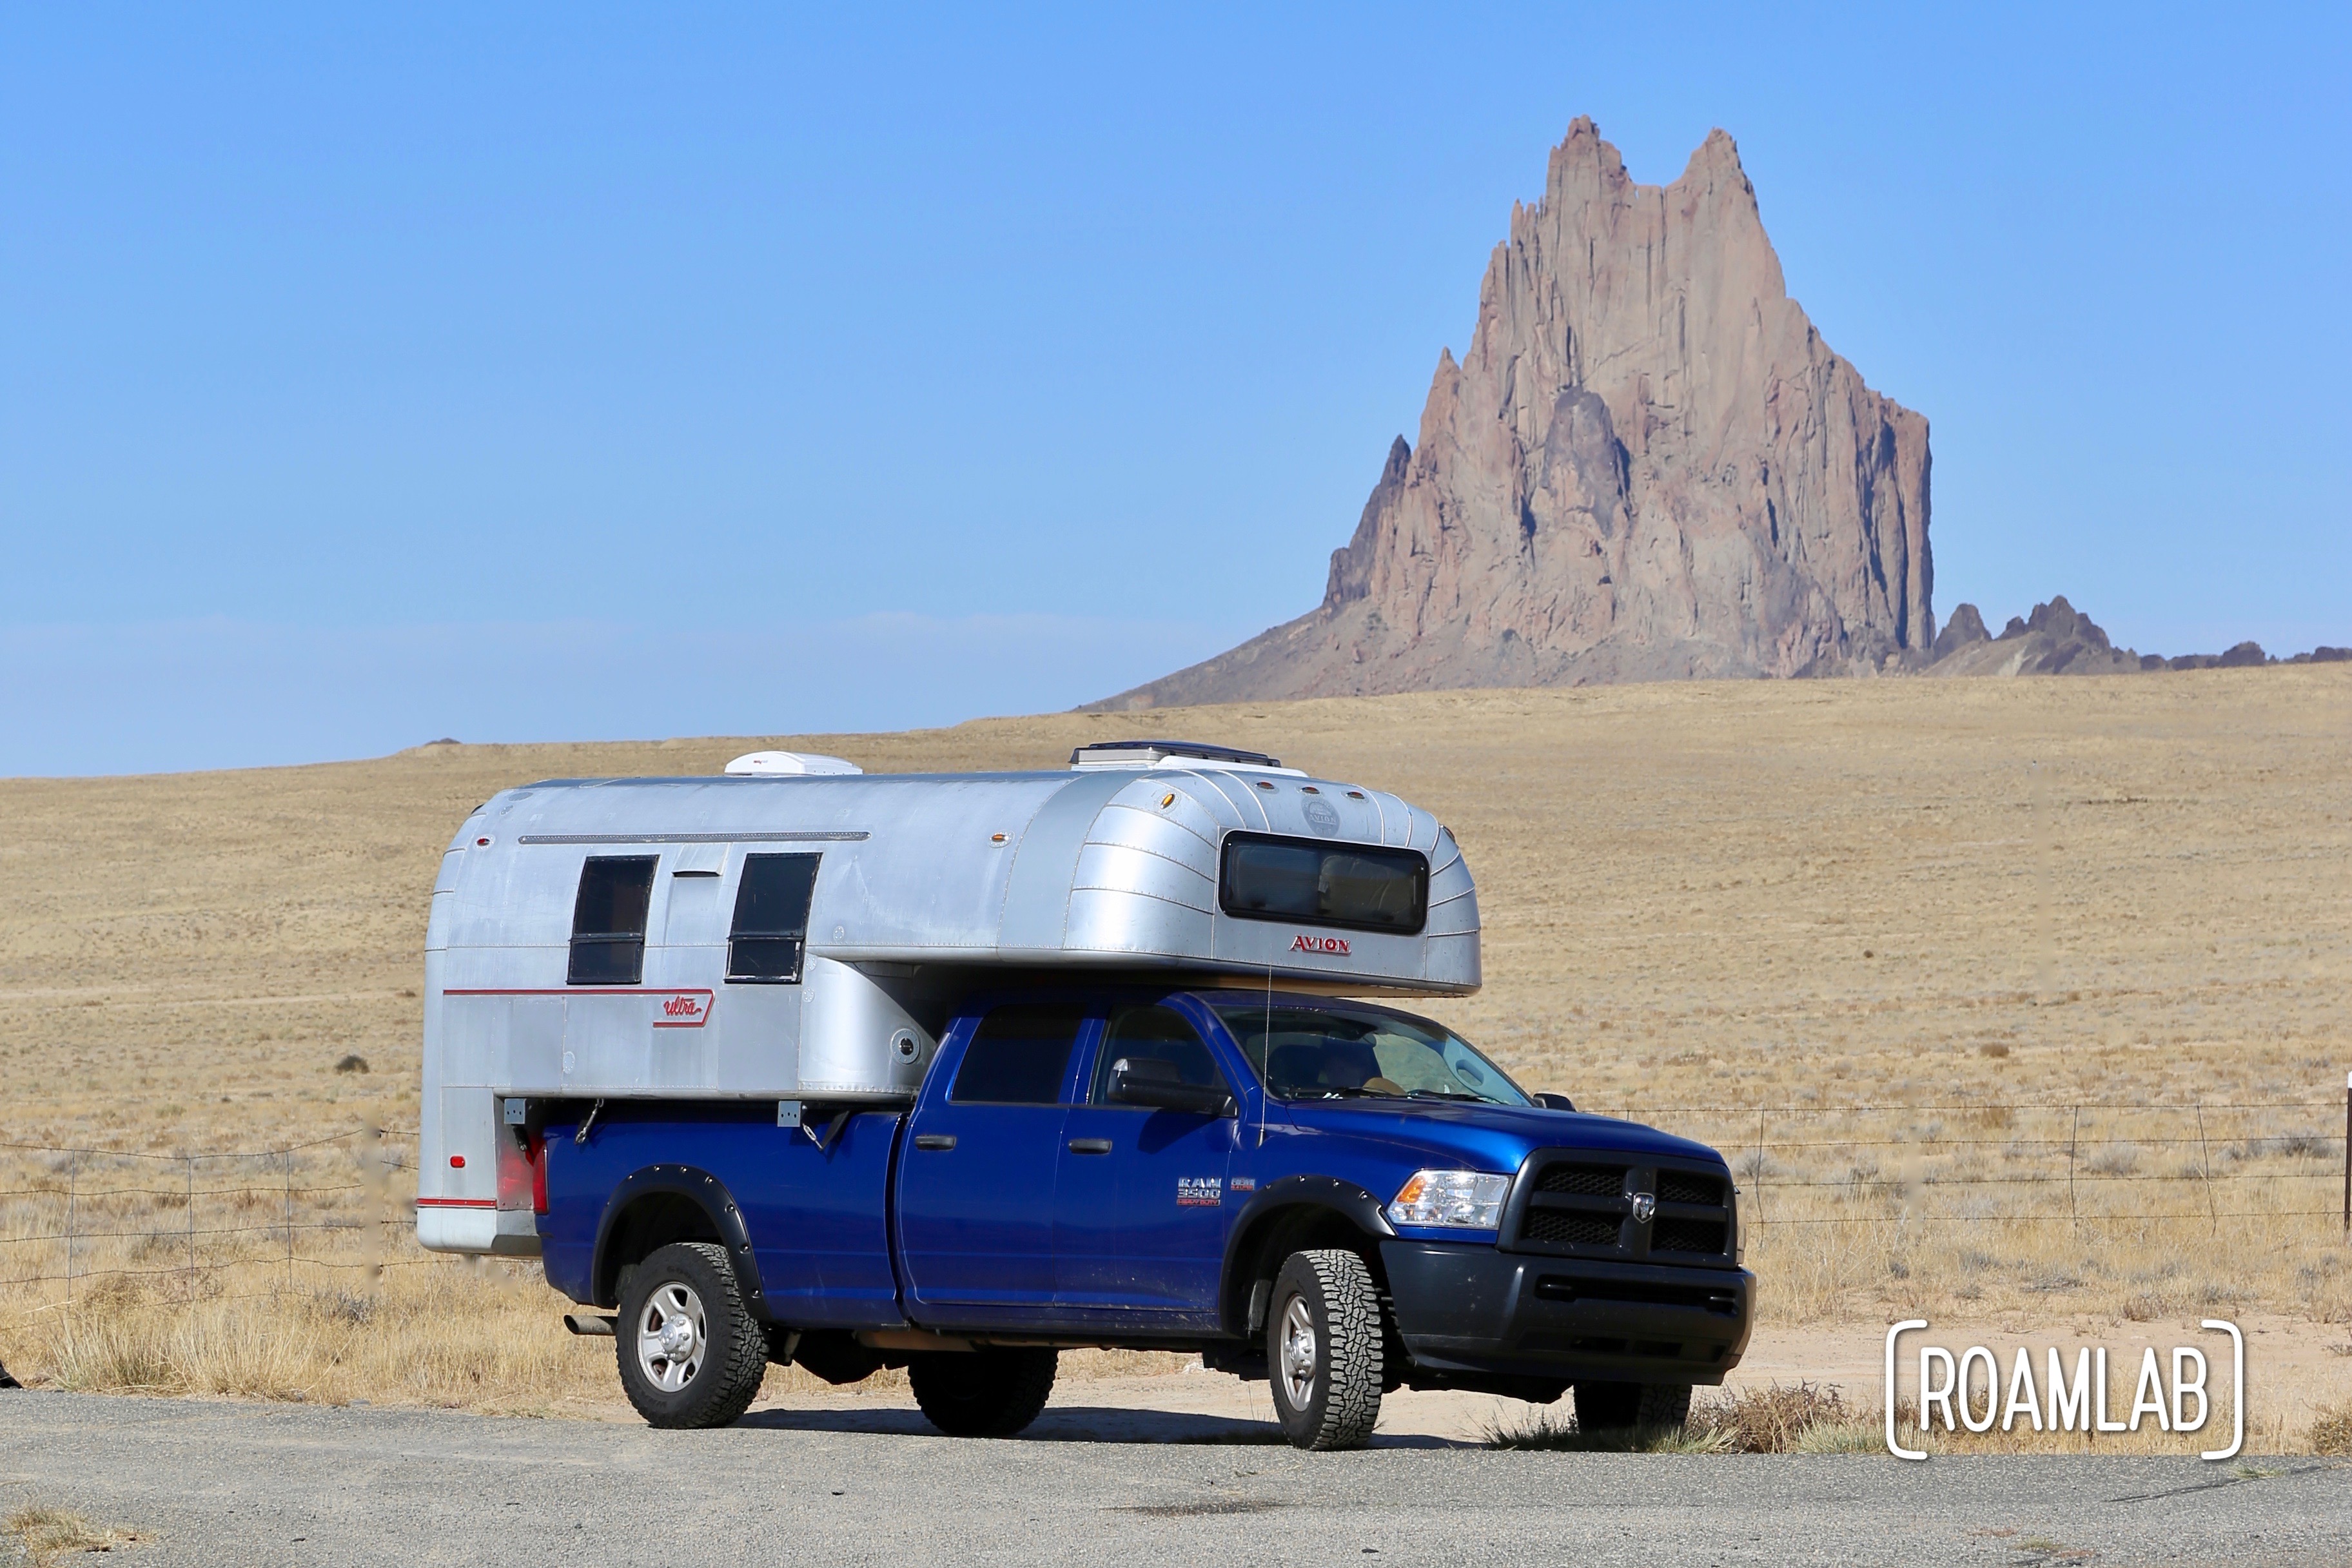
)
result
[(592, 1324)]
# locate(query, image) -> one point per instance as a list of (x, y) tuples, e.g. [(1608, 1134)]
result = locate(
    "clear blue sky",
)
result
[(368, 375)]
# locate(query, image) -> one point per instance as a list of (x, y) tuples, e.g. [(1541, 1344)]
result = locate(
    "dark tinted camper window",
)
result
[(1019, 1057), (608, 920), (1359, 886), (771, 929)]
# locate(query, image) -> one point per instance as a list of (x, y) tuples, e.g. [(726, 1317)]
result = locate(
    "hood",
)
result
[(1496, 1138)]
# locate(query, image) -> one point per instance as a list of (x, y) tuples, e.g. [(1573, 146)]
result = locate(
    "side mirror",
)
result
[(1150, 1081), (1555, 1102)]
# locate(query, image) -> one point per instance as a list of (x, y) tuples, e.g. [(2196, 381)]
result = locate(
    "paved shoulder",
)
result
[(220, 1483)]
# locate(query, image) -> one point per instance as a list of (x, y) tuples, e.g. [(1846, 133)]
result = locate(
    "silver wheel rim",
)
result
[(672, 1336), (1298, 1353)]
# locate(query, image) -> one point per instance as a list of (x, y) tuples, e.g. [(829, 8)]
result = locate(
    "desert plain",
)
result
[(2018, 1005)]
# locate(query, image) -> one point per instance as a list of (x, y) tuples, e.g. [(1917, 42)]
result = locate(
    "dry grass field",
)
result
[(2012, 1000)]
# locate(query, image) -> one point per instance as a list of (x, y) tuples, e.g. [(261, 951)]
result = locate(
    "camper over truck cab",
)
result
[(955, 1071)]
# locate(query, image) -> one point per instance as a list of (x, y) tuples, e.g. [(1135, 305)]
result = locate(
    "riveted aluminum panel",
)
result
[(1107, 922), (1163, 833), (1453, 901), (1038, 899), (1123, 869)]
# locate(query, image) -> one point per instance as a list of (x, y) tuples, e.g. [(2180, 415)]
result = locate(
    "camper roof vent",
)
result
[(788, 764), (1153, 754)]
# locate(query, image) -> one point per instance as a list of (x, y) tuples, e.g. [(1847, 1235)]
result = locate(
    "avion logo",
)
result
[(1336, 946)]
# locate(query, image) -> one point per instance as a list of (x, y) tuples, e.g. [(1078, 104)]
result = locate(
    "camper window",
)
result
[(1359, 886), (1019, 1056), (770, 929), (608, 920)]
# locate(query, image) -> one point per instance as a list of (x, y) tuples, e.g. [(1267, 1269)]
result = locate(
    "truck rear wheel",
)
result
[(1632, 1406), (985, 1393), (1324, 1349), (690, 1352)]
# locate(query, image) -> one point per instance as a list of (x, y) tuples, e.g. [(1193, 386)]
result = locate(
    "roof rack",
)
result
[(1151, 754)]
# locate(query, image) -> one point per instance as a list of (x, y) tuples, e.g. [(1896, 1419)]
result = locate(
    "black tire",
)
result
[(1325, 1350), (705, 1372), (1633, 1406), (983, 1393)]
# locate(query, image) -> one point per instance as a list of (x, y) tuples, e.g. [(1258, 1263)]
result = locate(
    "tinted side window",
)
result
[(1019, 1056), (1359, 886), (770, 929), (608, 920), (1160, 1032)]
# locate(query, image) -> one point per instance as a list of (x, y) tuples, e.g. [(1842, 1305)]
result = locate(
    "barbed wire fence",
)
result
[(339, 1206), (2079, 1162), (82, 1216)]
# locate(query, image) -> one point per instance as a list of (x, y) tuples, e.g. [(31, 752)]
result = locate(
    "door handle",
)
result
[(934, 1139), (1089, 1145)]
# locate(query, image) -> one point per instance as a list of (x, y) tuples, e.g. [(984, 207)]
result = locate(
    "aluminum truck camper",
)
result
[(953, 1072)]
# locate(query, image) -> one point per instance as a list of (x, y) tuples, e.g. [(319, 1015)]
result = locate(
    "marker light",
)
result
[(1471, 1200)]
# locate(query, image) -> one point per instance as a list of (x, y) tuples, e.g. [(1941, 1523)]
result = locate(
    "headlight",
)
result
[(1471, 1200)]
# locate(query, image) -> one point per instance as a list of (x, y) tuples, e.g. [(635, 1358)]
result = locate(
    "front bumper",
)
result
[(1474, 1310)]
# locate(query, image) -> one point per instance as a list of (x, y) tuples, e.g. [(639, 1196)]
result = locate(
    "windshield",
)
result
[(1345, 1053)]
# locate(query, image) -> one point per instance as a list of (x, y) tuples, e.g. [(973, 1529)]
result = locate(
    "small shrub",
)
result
[(48, 1531), (1542, 1432), (2331, 1433), (352, 1063), (1773, 1419), (346, 1307), (2115, 1160)]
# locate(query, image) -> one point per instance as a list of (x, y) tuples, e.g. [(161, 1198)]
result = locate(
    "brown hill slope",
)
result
[(1649, 465)]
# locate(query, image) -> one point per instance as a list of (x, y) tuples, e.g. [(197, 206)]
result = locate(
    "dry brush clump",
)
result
[(2332, 1432), (1801, 1418), (47, 1534)]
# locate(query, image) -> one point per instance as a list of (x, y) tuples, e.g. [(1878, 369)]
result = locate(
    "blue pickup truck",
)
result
[(1042, 1148)]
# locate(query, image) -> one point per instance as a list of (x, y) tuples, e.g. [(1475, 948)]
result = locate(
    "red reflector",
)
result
[(539, 1176), (456, 1161)]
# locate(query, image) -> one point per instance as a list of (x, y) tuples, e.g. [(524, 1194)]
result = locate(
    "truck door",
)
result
[(1140, 1211), (976, 1177)]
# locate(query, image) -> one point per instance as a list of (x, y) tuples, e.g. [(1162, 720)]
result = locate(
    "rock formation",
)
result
[(1647, 466), (2055, 639)]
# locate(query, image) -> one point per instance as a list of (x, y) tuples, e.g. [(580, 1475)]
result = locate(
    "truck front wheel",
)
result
[(690, 1352), (1633, 1406), (984, 1393), (1324, 1349)]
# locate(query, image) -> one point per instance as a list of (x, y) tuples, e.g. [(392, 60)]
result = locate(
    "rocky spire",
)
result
[(1647, 466)]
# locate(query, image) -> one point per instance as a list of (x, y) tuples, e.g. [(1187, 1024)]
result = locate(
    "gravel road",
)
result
[(254, 1483)]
